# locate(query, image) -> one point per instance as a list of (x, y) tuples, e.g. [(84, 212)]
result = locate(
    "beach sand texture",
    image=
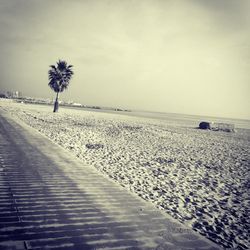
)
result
[(199, 177)]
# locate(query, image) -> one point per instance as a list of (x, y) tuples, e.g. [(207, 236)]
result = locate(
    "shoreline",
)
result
[(190, 120), (198, 177)]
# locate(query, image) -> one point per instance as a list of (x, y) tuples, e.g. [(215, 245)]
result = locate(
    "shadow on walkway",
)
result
[(50, 200)]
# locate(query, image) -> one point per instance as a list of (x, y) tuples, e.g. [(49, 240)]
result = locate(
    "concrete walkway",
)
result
[(51, 200)]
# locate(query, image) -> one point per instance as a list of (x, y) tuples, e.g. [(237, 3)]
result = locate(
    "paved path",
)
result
[(50, 200)]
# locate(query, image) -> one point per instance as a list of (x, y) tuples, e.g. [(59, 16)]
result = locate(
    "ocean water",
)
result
[(178, 119), (170, 118), (191, 120)]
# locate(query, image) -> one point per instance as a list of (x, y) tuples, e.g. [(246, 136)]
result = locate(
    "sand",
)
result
[(199, 177)]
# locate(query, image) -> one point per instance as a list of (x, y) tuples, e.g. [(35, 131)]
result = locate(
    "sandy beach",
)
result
[(199, 177)]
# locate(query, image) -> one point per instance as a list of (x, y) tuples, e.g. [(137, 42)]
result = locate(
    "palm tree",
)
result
[(59, 77)]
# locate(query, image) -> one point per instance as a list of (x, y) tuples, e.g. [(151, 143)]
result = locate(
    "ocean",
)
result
[(174, 119), (191, 120)]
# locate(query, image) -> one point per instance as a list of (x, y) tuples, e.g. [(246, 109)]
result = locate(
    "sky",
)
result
[(177, 56)]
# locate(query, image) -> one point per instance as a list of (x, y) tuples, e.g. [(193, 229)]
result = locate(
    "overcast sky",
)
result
[(190, 56)]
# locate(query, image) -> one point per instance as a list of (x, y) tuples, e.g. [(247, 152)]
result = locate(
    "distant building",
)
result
[(16, 94), (77, 104), (13, 94)]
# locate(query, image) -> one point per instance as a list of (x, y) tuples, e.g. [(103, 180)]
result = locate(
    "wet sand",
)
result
[(199, 177)]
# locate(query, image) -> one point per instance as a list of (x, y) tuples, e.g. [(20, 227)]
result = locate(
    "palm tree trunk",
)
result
[(56, 104)]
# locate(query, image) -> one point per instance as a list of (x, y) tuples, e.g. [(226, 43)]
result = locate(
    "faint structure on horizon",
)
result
[(16, 94), (10, 94), (59, 77)]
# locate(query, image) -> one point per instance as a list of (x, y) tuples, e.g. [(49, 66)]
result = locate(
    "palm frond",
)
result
[(60, 75)]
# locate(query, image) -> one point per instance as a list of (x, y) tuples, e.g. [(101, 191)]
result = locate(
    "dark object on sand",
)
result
[(204, 125), (94, 146), (217, 126)]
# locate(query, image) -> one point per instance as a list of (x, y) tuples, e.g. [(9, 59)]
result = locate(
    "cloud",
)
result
[(229, 15)]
